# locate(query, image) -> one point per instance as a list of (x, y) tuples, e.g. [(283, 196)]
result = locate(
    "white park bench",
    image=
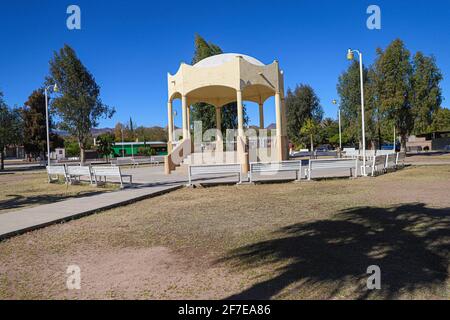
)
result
[(262, 168), (400, 161), (54, 172), (351, 153), (391, 160), (74, 173), (370, 154), (113, 171), (332, 164), (124, 161), (214, 169), (384, 152), (153, 160), (376, 165)]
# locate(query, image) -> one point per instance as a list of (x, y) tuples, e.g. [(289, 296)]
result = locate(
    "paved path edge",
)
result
[(88, 212)]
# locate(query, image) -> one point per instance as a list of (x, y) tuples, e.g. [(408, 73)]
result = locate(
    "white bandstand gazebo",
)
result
[(218, 81)]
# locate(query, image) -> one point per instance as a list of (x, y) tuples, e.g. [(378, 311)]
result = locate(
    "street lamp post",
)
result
[(55, 89), (340, 129), (350, 56)]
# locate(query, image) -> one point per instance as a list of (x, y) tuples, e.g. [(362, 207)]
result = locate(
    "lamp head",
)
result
[(334, 101), (55, 88), (350, 54)]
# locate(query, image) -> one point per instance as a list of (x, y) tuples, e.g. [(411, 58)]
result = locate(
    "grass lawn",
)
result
[(434, 158), (26, 189), (278, 241)]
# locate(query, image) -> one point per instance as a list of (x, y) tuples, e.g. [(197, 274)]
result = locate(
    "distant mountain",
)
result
[(95, 132), (98, 131), (271, 126)]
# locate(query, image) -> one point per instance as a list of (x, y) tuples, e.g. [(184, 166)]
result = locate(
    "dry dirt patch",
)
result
[(290, 241)]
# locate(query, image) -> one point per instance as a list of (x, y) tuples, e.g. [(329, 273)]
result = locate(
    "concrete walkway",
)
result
[(17, 222)]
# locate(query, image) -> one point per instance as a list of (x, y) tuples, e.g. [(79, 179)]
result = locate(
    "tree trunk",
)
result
[(379, 137), (403, 143), (82, 155)]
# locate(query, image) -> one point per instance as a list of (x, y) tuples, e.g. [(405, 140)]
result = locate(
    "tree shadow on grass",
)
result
[(18, 201), (410, 243)]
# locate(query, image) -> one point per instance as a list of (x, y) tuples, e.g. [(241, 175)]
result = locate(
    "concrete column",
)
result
[(170, 126), (283, 118), (279, 124), (261, 115), (241, 140), (219, 139), (184, 117), (240, 113), (188, 119), (284, 131)]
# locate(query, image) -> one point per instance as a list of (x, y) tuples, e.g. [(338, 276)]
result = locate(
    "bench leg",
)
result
[(240, 178), (298, 175)]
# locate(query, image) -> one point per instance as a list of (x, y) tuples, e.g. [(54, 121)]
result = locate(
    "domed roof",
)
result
[(220, 59)]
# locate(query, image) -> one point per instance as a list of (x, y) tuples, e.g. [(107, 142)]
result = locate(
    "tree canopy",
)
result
[(302, 103), (10, 128), (78, 105), (399, 91), (35, 127)]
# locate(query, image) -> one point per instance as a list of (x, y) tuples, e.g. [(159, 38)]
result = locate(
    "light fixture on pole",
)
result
[(351, 56), (340, 130), (54, 88)]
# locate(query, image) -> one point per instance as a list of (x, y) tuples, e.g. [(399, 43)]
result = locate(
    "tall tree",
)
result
[(329, 132), (349, 90), (427, 93), (10, 128), (395, 70), (302, 103), (441, 120), (204, 112), (35, 127), (131, 130), (105, 145), (79, 105)]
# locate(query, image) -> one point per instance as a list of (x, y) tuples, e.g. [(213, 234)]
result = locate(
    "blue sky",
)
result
[(130, 46)]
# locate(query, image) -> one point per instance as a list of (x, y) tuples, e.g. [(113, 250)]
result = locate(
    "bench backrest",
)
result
[(124, 161), (351, 153), (106, 171), (295, 165), (380, 161), (401, 157), (332, 163), (214, 168), (384, 152), (79, 170), (60, 170), (390, 160)]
